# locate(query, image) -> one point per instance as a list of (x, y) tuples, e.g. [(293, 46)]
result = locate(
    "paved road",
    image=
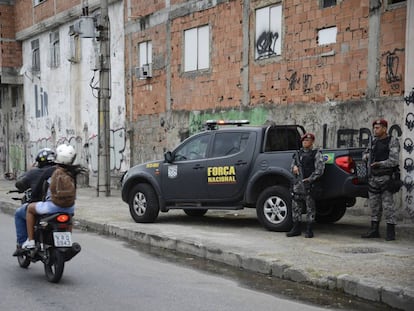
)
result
[(337, 258), (107, 275)]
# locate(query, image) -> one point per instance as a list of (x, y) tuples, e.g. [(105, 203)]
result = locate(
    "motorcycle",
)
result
[(53, 243)]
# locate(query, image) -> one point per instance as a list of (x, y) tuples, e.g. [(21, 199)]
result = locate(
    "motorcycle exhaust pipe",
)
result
[(72, 252)]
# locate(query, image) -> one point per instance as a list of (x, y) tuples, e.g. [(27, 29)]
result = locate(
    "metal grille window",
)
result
[(268, 31), (35, 55), (54, 60), (197, 48)]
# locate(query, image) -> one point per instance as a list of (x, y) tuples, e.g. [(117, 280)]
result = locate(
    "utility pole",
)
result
[(104, 172)]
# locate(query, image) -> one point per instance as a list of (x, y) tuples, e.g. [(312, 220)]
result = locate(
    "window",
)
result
[(37, 2), (327, 36), (282, 138), (145, 53), (327, 3), (193, 150), (197, 49), (74, 45), (35, 56), (54, 47), (14, 96), (268, 32), (229, 143)]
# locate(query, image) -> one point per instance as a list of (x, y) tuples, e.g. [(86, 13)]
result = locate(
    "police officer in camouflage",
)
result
[(307, 166), (383, 156)]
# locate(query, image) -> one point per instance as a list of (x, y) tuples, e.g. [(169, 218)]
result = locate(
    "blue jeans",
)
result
[(20, 223)]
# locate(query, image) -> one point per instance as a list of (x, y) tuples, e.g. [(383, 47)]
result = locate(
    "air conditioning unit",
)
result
[(144, 72)]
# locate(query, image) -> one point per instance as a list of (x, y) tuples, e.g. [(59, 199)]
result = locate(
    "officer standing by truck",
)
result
[(308, 166), (383, 157)]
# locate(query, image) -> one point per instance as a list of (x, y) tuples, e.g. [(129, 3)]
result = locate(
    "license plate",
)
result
[(62, 239)]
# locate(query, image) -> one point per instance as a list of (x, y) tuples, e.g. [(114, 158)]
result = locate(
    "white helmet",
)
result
[(65, 154)]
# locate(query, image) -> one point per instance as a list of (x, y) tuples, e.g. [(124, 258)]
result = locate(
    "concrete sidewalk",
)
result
[(336, 258)]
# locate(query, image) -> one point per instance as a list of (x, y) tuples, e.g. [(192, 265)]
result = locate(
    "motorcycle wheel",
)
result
[(23, 261), (54, 266)]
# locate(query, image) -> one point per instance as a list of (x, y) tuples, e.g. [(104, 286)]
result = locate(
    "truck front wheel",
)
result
[(273, 208), (143, 204)]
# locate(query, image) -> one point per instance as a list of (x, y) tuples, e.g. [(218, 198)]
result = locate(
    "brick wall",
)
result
[(10, 50)]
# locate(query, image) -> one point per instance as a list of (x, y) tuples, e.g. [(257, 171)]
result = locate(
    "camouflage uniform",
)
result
[(301, 196), (380, 199)]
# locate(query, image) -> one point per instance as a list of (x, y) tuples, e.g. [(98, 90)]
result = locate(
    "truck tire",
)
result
[(274, 209), (330, 211), (195, 212), (143, 204)]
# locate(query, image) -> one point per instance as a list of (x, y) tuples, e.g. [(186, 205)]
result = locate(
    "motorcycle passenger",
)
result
[(65, 156), (29, 180)]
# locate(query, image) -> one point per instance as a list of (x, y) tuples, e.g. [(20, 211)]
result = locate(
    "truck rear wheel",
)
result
[(143, 204), (330, 211), (274, 208)]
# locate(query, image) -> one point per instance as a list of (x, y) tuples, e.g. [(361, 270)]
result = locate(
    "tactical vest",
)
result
[(381, 152), (307, 160), (381, 149)]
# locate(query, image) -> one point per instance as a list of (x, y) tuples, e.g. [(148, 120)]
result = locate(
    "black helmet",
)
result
[(45, 156)]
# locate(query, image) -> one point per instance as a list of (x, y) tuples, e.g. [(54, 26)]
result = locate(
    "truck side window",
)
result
[(281, 139), (193, 150), (229, 143)]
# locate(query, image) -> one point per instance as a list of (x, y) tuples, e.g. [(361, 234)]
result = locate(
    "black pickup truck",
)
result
[(230, 168)]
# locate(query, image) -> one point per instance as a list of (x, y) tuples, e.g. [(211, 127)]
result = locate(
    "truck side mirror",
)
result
[(168, 157)]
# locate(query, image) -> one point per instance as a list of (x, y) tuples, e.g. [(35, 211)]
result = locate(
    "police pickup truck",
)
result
[(231, 168)]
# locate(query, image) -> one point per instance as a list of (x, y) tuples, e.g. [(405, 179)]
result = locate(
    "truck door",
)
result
[(228, 164), (184, 180)]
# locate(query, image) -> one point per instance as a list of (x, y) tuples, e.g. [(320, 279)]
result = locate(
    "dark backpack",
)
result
[(62, 188)]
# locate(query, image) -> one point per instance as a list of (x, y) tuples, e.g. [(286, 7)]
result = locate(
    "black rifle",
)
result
[(369, 161), (299, 177)]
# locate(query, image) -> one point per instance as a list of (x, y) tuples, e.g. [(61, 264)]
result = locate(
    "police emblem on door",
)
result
[(172, 171)]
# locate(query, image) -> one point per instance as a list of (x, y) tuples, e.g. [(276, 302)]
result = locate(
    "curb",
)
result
[(400, 298)]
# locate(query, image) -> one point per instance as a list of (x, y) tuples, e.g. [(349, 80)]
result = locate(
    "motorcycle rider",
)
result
[(29, 180), (65, 156)]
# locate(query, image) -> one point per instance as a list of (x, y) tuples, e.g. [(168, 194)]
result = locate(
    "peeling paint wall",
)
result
[(61, 103)]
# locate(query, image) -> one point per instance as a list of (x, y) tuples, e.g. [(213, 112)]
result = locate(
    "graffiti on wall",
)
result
[(408, 160), (360, 138), (307, 85), (41, 102), (266, 43), (87, 152), (392, 65)]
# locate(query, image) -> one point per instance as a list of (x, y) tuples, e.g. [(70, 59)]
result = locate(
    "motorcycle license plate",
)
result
[(62, 239)]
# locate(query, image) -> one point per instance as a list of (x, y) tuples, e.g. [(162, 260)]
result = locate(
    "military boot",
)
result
[(309, 232), (373, 232), (295, 231), (390, 232)]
